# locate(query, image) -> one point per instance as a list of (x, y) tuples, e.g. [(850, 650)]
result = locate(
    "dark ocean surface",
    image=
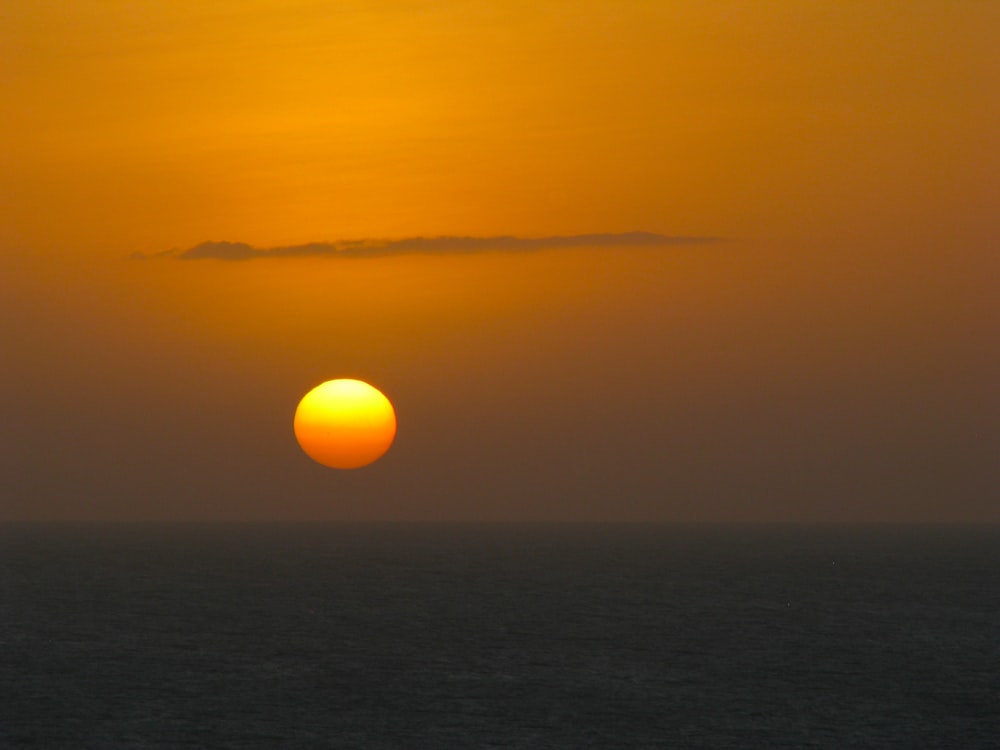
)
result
[(368, 636)]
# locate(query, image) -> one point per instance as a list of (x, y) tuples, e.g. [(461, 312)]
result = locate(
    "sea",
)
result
[(499, 636)]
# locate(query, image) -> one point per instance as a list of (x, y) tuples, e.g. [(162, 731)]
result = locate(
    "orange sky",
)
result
[(159, 124), (834, 359)]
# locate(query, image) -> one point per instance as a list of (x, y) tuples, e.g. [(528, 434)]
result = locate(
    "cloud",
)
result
[(421, 246)]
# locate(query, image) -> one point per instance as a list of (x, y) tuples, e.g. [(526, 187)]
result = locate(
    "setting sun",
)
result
[(345, 424)]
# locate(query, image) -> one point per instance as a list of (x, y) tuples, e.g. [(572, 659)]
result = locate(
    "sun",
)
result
[(345, 423)]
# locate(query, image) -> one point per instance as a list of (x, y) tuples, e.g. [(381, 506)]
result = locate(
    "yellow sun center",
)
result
[(345, 424)]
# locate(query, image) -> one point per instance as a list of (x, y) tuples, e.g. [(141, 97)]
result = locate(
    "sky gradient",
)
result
[(834, 356)]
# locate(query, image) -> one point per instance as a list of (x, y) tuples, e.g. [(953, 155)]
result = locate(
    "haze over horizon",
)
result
[(834, 359)]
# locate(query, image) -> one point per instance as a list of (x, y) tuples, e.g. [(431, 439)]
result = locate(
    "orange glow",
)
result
[(345, 424), (280, 123)]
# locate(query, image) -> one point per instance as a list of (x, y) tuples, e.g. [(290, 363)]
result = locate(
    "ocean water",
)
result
[(382, 636)]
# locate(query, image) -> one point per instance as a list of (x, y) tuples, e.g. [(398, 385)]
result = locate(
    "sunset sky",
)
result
[(812, 333)]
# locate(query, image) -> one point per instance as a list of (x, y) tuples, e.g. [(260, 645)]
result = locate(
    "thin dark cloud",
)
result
[(423, 246)]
